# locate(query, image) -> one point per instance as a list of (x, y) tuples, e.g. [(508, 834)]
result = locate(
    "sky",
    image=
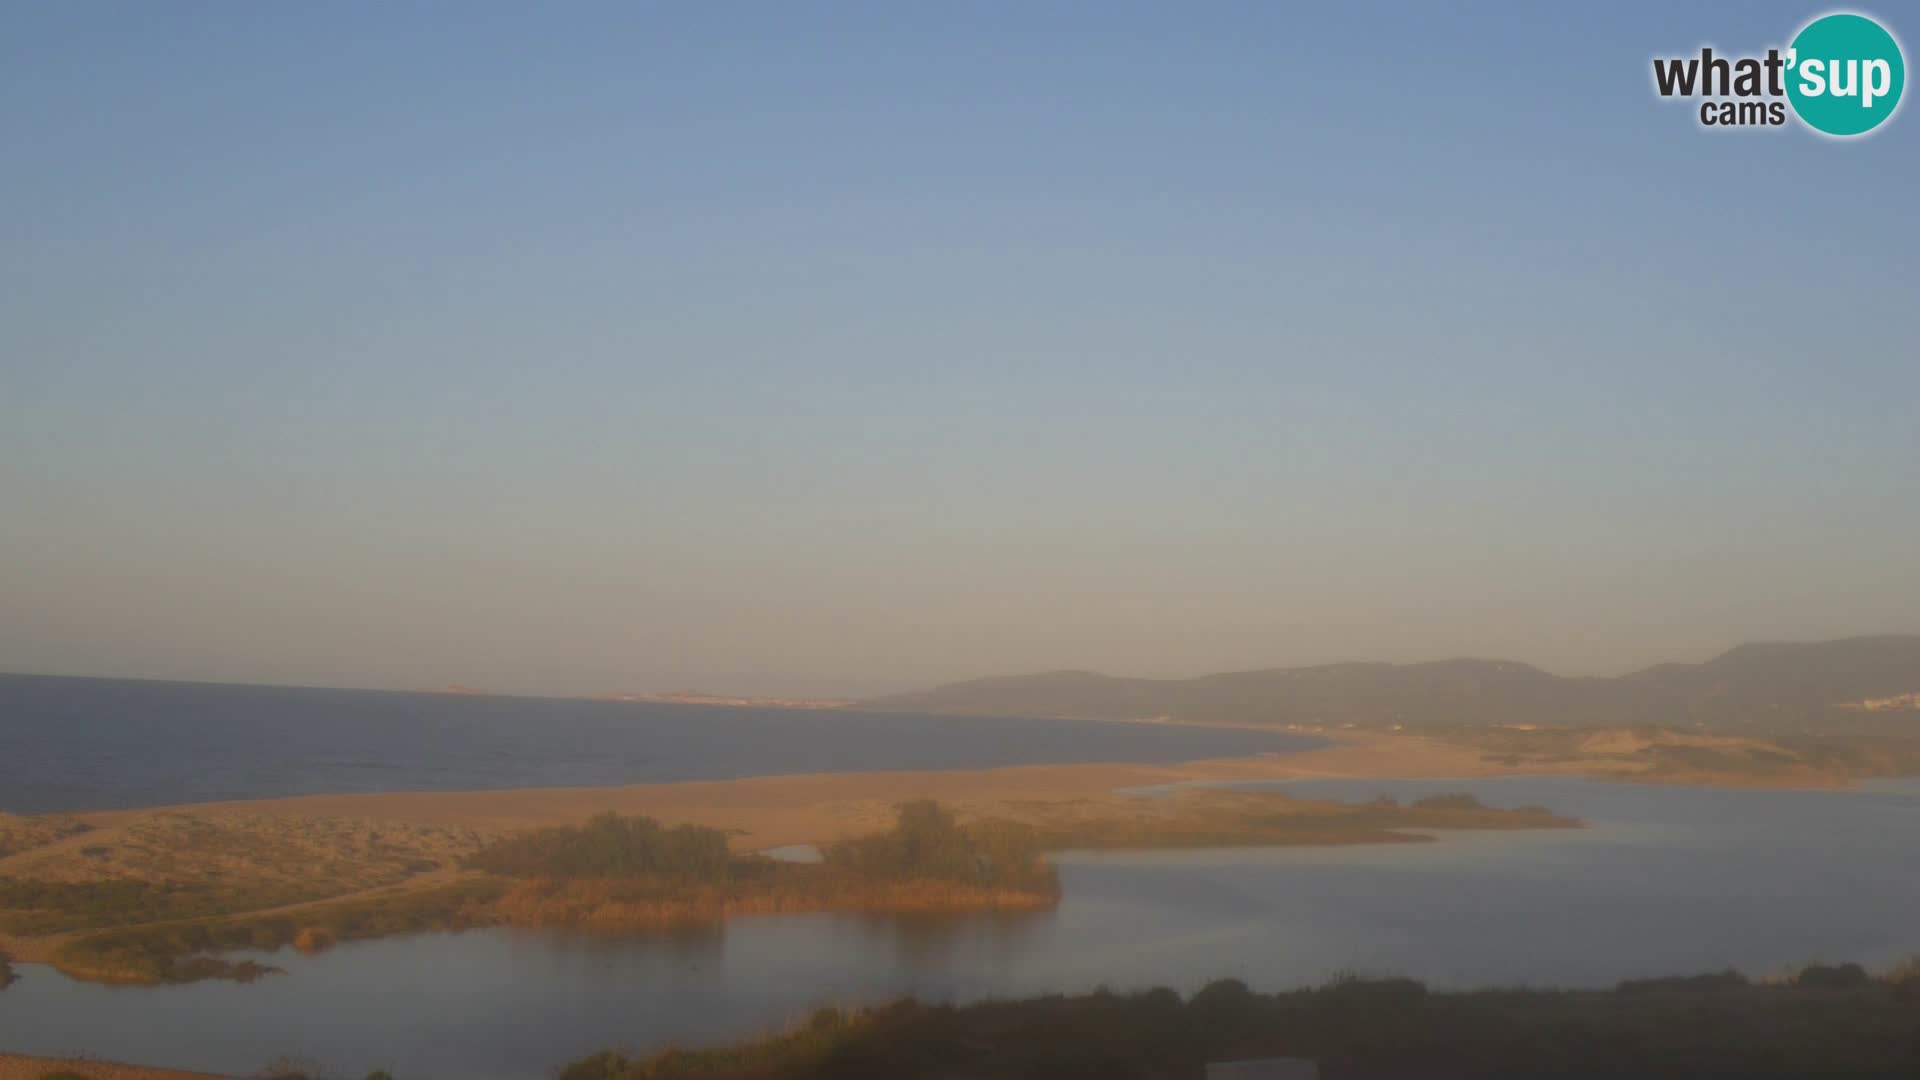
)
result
[(840, 348)]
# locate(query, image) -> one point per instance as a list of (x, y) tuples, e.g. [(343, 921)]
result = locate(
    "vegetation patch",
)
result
[(21, 832), (1710, 983), (49, 907), (1225, 818), (1356, 1028), (187, 951), (611, 846), (1832, 977), (617, 872)]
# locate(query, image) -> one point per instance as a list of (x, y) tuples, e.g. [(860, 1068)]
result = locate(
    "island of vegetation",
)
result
[(161, 897)]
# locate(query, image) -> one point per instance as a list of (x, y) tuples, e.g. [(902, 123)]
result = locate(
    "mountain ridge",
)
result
[(1758, 687)]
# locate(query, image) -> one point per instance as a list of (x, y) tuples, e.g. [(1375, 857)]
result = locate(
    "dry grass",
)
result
[(180, 864), (189, 950), (1203, 817), (18, 833)]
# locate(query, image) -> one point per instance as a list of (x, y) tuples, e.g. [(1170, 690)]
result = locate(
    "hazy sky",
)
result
[(837, 348)]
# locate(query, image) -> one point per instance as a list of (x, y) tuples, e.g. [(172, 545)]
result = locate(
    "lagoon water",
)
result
[(95, 744), (1664, 880)]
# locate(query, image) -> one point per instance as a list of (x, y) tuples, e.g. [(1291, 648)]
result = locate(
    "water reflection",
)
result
[(928, 941)]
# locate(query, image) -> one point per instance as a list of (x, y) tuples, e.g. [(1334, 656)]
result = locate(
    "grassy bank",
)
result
[(1217, 818), (188, 950), (30, 907), (1830, 1022)]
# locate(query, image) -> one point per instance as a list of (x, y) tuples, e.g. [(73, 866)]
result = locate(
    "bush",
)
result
[(1224, 1004), (610, 846), (1707, 983), (605, 1065), (1380, 990), (926, 843), (1832, 976)]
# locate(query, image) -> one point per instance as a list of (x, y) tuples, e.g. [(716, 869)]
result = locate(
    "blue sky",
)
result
[(847, 347)]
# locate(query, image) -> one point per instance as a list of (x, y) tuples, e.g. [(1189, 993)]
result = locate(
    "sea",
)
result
[(71, 744)]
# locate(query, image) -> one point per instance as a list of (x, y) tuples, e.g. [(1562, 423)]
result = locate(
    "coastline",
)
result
[(761, 812), (820, 808), (307, 857)]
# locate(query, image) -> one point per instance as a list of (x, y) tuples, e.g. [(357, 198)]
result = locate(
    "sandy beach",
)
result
[(769, 811)]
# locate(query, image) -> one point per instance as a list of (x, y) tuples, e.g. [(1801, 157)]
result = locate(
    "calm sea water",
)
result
[(80, 744), (1665, 880)]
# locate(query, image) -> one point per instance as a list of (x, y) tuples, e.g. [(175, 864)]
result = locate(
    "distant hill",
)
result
[(1855, 686)]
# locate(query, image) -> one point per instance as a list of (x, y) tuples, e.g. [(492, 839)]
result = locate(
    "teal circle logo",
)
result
[(1845, 74)]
